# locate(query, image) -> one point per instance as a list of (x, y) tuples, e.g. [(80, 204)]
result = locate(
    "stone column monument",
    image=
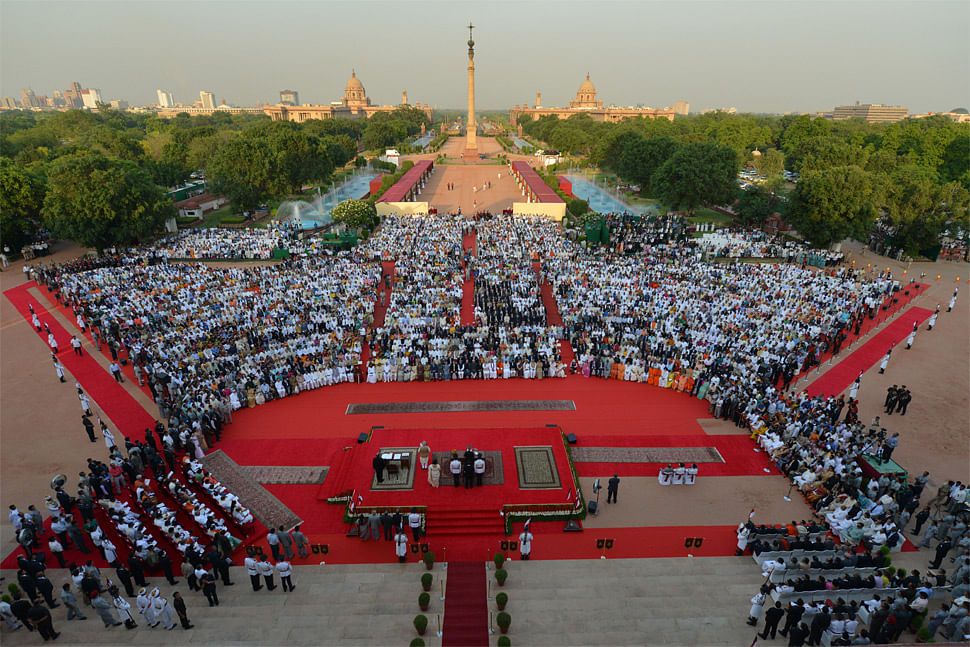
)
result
[(470, 154)]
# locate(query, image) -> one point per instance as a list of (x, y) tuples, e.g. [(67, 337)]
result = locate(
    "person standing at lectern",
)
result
[(379, 464)]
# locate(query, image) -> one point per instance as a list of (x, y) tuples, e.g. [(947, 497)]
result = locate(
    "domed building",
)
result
[(355, 104), (354, 94), (587, 103), (586, 96)]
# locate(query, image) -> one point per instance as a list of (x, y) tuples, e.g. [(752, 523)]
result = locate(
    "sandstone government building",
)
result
[(355, 104), (586, 103)]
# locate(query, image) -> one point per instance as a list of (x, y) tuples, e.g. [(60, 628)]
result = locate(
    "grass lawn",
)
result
[(212, 218), (703, 214)]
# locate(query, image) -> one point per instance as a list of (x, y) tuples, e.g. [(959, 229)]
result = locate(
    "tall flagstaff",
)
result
[(471, 143)]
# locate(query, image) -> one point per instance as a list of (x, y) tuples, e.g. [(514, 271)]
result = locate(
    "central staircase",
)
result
[(465, 522)]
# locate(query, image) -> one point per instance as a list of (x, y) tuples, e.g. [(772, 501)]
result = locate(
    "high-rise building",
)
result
[(73, 96), (9, 102), (871, 112), (166, 99), (91, 97), (680, 107), (289, 97), (119, 104), (28, 99), (208, 100)]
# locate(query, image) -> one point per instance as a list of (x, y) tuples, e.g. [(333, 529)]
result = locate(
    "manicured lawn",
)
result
[(703, 214), (212, 218)]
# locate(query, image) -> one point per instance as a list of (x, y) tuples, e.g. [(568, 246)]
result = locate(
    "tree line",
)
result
[(100, 178), (908, 180)]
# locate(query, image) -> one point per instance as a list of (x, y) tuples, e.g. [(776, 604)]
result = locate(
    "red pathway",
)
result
[(469, 243), (123, 410), (553, 318), (466, 612), (843, 374)]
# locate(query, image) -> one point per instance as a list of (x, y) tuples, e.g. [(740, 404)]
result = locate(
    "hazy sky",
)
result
[(769, 56)]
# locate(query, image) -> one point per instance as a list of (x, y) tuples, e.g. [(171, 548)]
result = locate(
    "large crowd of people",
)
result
[(209, 340)]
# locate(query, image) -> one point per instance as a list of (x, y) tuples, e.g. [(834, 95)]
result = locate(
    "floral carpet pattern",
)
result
[(460, 405), (289, 474), (267, 508), (536, 468), (646, 455)]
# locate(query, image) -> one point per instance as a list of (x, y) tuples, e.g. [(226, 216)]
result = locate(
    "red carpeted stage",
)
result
[(313, 429)]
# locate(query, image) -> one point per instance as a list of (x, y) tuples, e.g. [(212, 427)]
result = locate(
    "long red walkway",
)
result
[(468, 243), (466, 612), (841, 376), (553, 318), (123, 410)]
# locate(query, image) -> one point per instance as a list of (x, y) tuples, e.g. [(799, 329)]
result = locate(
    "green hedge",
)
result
[(232, 220)]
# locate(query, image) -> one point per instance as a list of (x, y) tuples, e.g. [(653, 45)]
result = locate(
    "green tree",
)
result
[(642, 157), (830, 205), (796, 129), (770, 165), (243, 171), (102, 202), (577, 207), (755, 205), (21, 199), (697, 174), (954, 166), (357, 214), (819, 153)]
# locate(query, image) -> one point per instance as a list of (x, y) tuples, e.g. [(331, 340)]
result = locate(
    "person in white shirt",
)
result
[(414, 522), (252, 568), (401, 546), (285, 570), (525, 543), (266, 570), (479, 468), (455, 467)]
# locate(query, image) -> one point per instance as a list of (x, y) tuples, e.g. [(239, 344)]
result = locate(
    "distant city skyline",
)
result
[(755, 56)]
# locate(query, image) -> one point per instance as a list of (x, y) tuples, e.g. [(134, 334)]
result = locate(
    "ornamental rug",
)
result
[(398, 473), (646, 455), (460, 405), (292, 474), (494, 474), (536, 468), (267, 508)]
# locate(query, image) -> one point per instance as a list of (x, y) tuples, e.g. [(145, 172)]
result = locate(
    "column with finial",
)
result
[(471, 140)]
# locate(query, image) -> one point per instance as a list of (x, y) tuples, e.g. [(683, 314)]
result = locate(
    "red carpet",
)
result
[(838, 378), (381, 311), (121, 408), (466, 611), (869, 324), (468, 287)]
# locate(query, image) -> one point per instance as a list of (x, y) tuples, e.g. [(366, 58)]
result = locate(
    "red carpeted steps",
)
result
[(335, 483), (443, 523), (466, 611), (553, 318)]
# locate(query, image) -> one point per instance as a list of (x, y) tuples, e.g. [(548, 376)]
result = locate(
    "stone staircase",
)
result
[(347, 605)]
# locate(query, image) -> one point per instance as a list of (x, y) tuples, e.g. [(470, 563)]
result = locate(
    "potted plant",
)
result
[(417, 642), (424, 600), (503, 620), (501, 600), (499, 559), (426, 580), (428, 559), (421, 623), (500, 575), (503, 641)]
